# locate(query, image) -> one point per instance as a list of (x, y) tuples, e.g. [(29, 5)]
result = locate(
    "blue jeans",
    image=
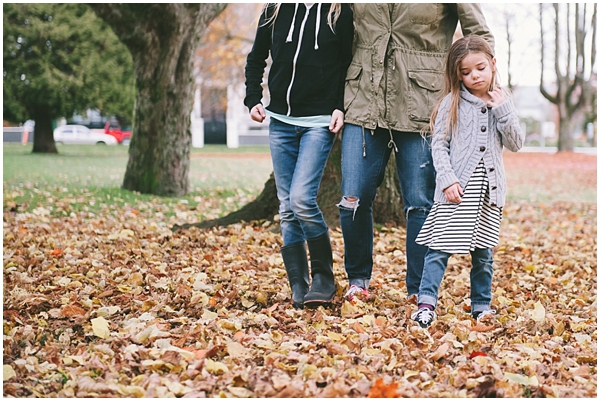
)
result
[(482, 271), (299, 156), (364, 158)]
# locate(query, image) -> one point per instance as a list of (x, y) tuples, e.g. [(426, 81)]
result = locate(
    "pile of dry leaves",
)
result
[(114, 304)]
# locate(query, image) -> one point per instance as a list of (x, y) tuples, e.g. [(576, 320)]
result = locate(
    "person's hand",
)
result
[(337, 121), (257, 113), (497, 97), (453, 193)]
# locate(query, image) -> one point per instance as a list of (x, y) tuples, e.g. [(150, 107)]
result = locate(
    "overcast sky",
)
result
[(525, 26)]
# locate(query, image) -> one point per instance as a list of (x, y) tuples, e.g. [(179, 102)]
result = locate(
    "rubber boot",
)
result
[(322, 289), (296, 266)]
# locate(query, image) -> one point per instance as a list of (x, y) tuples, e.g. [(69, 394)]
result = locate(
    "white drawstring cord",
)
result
[(317, 27), (291, 32)]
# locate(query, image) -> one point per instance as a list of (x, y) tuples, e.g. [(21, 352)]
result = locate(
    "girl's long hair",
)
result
[(460, 49), (334, 13)]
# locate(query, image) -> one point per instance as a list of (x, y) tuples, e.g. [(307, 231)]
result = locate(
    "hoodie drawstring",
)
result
[(291, 32), (317, 26)]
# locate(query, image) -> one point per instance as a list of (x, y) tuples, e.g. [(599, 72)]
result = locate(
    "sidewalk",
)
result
[(535, 149)]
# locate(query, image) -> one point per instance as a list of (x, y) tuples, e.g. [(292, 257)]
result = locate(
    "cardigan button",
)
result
[(483, 129), (494, 188), (482, 149), (484, 110), (492, 169)]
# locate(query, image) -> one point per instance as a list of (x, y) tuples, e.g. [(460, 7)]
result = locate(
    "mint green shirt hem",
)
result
[(308, 122)]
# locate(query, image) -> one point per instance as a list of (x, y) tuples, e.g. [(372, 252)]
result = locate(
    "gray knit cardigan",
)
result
[(480, 134)]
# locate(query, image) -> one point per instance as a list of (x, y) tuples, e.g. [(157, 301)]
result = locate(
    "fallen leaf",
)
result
[(8, 372), (100, 327)]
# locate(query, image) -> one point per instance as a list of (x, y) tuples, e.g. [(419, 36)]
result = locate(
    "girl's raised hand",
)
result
[(453, 193), (497, 97), (337, 121), (257, 113)]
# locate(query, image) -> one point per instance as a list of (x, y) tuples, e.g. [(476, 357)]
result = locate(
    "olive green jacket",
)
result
[(397, 67)]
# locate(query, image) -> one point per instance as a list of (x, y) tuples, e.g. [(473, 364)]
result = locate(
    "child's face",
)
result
[(476, 72)]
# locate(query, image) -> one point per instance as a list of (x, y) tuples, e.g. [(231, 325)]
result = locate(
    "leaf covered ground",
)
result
[(113, 304)]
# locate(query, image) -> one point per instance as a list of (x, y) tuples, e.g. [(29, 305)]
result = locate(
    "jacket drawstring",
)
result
[(317, 27), (291, 32), (391, 142)]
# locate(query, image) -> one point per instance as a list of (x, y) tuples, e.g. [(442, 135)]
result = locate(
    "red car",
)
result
[(113, 128)]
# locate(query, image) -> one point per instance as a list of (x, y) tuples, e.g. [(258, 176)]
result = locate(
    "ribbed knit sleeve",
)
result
[(508, 125), (440, 148), (256, 61)]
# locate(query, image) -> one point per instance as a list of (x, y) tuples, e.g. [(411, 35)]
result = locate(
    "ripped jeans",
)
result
[(364, 158)]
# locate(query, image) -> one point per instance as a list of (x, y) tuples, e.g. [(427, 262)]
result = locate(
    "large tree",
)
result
[(60, 59), (162, 38), (574, 65)]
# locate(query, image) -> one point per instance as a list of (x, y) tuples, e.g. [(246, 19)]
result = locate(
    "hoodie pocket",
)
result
[(352, 84), (425, 86)]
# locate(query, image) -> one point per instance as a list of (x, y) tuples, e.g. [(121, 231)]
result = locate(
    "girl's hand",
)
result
[(257, 113), (453, 193), (497, 97), (337, 121)]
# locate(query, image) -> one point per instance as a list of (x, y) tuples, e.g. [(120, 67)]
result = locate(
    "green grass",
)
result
[(89, 178)]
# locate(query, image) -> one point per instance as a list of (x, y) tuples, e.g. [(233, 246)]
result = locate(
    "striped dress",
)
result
[(459, 228)]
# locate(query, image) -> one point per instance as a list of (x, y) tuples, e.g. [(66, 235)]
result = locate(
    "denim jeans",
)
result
[(482, 271), (299, 156), (364, 158)]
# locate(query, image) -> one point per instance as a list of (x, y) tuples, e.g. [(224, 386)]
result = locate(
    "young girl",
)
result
[(471, 125), (311, 47)]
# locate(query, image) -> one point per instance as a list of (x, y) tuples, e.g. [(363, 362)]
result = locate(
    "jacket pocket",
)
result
[(352, 84), (424, 13), (425, 86)]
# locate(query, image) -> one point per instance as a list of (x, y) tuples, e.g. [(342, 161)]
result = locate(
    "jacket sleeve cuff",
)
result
[(445, 180), (252, 101), (503, 109)]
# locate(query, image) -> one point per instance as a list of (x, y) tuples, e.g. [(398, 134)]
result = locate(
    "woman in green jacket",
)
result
[(391, 87)]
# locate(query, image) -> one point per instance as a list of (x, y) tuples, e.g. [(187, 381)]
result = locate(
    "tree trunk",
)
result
[(43, 139), (387, 209), (565, 136), (162, 39)]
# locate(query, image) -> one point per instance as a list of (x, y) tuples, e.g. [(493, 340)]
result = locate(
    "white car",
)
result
[(80, 135)]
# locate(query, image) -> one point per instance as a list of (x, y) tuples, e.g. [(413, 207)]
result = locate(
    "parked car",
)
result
[(122, 135), (80, 135)]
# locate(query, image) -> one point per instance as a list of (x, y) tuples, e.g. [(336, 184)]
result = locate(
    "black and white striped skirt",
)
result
[(458, 228)]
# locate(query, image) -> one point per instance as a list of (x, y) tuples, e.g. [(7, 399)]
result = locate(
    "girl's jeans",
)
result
[(481, 278), (299, 156), (362, 173)]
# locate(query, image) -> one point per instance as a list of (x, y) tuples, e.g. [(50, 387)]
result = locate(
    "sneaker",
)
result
[(486, 316), (424, 316), (358, 292)]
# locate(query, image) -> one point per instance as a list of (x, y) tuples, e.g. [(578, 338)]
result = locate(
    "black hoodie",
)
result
[(309, 60)]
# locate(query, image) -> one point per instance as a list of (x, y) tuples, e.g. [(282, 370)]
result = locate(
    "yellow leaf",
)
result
[(216, 368), (8, 372), (335, 336), (349, 310), (539, 312), (209, 315), (136, 279), (411, 373), (521, 379), (100, 327)]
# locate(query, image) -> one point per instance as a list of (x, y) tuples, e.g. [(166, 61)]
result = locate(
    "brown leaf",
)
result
[(72, 310)]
